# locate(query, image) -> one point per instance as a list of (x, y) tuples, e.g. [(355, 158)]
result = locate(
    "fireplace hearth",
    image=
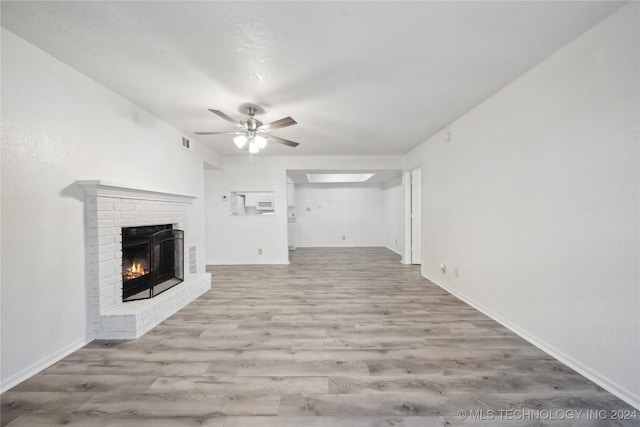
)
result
[(152, 260)]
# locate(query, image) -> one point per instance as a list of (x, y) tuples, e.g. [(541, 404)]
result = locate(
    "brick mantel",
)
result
[(109, 189), (108, 208)]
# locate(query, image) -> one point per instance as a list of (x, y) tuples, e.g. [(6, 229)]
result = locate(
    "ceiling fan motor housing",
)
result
[(251, 124)]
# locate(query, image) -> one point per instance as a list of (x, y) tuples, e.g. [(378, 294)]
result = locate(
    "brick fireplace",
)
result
[(108, 209)]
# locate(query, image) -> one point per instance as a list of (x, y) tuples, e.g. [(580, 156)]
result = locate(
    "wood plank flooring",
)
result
[(341, 337)]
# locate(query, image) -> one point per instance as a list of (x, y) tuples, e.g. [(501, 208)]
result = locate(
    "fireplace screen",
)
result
[(152, 260)]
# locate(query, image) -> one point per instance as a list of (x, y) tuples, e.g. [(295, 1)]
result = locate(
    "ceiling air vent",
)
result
[(186, 143)]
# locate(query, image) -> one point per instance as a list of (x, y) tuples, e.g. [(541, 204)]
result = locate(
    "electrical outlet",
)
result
[(259, 251), (308, 209), (344, 237), (455, 271)]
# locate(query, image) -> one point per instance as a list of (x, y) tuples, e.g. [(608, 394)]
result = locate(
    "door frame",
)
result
[(413, 210)]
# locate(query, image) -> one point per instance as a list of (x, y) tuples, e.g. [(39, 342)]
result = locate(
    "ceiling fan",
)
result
[(253, 130)]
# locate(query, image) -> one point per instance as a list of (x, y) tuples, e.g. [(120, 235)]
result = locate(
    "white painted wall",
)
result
[(394, 219), (326, 212), (235, 240), (59, 126), (536, 200)]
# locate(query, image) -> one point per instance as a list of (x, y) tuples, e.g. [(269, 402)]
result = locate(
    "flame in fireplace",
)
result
[(135, 270)]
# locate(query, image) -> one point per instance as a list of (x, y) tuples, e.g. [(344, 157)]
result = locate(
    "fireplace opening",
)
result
[(152, 260)]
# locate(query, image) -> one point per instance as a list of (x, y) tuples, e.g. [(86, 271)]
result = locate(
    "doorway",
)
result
[(413, 206)]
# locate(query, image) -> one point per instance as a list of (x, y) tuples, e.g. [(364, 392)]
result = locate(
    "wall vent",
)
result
[(193, 260), (186, 143)]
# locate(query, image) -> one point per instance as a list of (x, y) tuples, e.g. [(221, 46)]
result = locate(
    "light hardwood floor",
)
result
[(341, 337)]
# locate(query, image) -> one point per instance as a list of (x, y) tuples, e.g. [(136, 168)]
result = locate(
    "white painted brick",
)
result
[(113, 263), (146, 221), (130, 200), (106, 304), (104, 206), (104, 323), (108, 215), (131, 215), (120, 323), (146, 207), (105, 274), (124, 222), (115, 231), (106, 199), (126, 206), (107, 256), (109, 247), (102, 240), (93, 250), (105, 223), (109, 286)]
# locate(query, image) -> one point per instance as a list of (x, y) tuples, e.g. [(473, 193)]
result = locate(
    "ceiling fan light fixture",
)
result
[(261, 141), (253, 147), (240, 140)]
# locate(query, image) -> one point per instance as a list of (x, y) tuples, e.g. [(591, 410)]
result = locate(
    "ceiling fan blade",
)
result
[(282, 123), (227, 118), (218, 133), (282, 141)]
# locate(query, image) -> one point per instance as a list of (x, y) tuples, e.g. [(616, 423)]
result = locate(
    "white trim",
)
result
[(34, 368), (406, 188), (343, 246), (218, 263), (109, 189), (393, 250), (574, 364)]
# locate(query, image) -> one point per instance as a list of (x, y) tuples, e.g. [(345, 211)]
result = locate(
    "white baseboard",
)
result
[(394, 250), (574, 364), (29, 371), (236, 262)]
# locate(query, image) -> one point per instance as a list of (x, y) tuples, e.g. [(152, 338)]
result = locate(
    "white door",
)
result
[(416, 216)]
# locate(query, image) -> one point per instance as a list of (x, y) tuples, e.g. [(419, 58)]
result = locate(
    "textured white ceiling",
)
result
[(361, 78)]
